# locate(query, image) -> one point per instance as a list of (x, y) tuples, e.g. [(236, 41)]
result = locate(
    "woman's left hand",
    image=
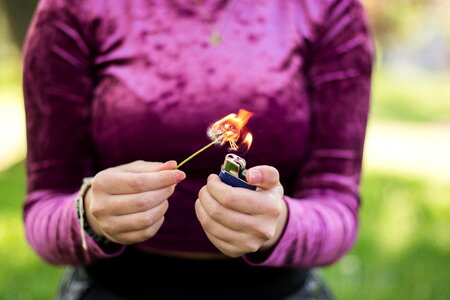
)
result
[(240, 221)]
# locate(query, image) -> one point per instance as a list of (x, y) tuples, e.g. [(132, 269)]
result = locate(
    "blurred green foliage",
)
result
[(22, 274), (410, 96), (18, 14), (403, 251), (395, 20)]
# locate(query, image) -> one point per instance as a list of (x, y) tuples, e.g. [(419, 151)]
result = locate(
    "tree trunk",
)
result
[(18, 14)]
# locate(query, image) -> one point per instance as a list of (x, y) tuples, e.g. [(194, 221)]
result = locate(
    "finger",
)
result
[(265, 177), (133, 237), (226, 248), (238, 199), (119, 183), (134, 203), (216, 211), (208, 222), (141, 166), (245, 241), (134, 222), (223, 246)]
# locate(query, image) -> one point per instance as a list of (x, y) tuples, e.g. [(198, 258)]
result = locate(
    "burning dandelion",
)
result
[(227, 130)]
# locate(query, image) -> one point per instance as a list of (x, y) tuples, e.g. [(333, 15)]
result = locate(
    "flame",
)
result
[(229, 128), (248, 140)]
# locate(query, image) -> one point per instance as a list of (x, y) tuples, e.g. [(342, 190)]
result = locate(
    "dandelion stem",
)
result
[(198, 152)]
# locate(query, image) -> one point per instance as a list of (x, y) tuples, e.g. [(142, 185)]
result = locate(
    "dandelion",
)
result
[(226, 130)]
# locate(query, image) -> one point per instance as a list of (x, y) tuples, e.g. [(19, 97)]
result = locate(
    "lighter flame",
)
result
[(248, 140), (228, 129)]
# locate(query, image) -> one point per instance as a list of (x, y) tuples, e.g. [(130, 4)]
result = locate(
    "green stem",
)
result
[(196, 153)]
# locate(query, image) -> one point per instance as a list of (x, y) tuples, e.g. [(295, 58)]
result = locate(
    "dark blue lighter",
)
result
[(233, 172)]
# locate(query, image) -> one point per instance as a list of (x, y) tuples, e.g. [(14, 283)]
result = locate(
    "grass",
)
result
[(22, 274), (403, 251)]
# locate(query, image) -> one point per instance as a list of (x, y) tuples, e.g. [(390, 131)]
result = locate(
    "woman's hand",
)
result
[(240, 221), (127, 203)]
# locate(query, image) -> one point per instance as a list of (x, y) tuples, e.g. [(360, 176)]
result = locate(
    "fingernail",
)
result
[(179, 176), (254, 176), (171, 164)]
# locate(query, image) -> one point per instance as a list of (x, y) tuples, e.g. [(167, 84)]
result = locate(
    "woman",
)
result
[(118, 90)]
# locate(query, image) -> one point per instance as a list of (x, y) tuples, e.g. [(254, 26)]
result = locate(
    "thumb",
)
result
[(266, 177)]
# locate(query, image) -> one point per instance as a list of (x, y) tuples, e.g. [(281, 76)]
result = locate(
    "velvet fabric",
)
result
[(110, 82)]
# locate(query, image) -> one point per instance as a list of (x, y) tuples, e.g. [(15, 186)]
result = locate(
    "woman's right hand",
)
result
[(127, 203)]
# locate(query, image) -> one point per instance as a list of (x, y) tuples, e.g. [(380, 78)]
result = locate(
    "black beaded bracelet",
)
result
[(90, 232), (84, 225)]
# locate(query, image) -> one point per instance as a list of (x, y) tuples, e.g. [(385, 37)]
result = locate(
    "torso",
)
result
[(160, 84)]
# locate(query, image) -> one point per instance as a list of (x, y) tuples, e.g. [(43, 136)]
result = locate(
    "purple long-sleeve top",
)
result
[(110, 82)]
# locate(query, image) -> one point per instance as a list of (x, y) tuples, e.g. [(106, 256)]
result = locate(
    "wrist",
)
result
[(267, 249), (90, 219), (281, 224), (91, 226), (85, 227)]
